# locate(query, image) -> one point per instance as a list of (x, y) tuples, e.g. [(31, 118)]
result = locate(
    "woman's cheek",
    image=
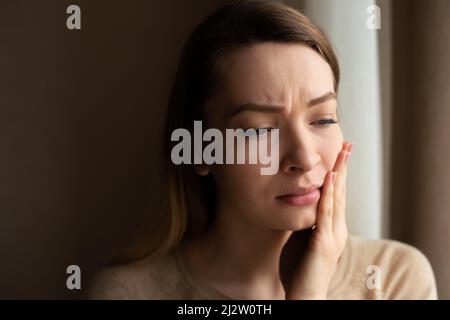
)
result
[(237, 176), (335, 142), (330, 153)]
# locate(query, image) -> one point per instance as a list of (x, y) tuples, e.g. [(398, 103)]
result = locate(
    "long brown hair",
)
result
[(189, 199)]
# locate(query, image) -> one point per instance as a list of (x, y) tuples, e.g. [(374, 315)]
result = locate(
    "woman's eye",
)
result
[(324, 122)]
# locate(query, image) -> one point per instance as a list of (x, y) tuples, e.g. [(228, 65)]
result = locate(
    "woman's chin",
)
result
[(303, 224), (304, 218)]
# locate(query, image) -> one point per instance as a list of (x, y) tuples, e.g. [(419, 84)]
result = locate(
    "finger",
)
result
[(347, 146), (339, 223), (342, 157), (340, 161), (325, 209), (339, 202), (349, 152)]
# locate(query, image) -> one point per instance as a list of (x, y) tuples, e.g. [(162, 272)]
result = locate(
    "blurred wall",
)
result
[(420, 198)]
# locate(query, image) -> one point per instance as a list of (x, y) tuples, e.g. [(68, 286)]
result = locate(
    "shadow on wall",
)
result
[(82, 114)]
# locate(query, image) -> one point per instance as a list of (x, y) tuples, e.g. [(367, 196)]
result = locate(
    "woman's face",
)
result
[(299, 82)]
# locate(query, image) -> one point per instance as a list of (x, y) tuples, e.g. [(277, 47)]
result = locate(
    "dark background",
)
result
[(81, 114)]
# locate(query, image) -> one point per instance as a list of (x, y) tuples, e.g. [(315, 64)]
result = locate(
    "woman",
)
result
[(228, 232)]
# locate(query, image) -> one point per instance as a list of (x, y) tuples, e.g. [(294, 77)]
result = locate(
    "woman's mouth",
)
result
[(304, 197)]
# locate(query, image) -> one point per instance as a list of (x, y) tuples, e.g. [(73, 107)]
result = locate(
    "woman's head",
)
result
[(290, 87), (259, 52)]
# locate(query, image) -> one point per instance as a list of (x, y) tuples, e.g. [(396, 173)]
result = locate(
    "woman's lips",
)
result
[(301, 200)]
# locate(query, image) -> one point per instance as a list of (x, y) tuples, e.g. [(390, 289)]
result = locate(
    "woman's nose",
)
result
[(299, 154)]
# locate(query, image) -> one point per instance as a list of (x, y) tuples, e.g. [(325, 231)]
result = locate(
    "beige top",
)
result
[(403, 273)]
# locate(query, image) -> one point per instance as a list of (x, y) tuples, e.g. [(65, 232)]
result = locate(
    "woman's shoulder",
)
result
[(387, 252), (385, 249), (393, 269), (143, 279)]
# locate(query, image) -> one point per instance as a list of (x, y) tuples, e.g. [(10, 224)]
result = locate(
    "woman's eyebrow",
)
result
[(327, 96), (278, 109), (255, 107)]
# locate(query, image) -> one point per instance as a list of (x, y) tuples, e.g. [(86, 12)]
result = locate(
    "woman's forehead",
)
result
[(273, 72)]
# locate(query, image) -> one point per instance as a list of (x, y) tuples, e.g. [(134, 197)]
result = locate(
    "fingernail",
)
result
[(350, 147), (347, 156), (333, 176)]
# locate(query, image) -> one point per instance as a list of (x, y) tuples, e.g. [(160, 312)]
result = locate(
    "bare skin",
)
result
[(310, 257), (258, 246)]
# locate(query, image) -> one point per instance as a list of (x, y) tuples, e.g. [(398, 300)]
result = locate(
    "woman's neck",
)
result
[(239, 258)]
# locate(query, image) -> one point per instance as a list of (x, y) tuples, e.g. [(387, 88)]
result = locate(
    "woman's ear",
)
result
[(202, 169)]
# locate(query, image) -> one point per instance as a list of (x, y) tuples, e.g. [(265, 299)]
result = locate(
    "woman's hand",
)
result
[(309, 258)]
